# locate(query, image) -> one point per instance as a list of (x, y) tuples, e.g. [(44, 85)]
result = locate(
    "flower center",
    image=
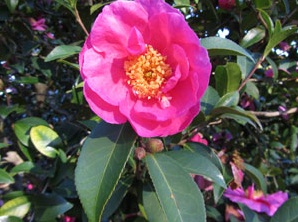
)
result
[(147, 73)]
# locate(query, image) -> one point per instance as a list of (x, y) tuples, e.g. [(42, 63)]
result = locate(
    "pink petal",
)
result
[(106, 111), (136, 45)]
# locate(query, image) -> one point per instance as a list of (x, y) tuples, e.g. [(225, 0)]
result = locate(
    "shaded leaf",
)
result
[(262, 3), (222, 46), (287, 212), (12, 4), (257, 176), (180, 198), (5, 177), (252, 90), (153, 208), (251, 215), (196, 163), (100, 164), (45, 140), (209, 100)]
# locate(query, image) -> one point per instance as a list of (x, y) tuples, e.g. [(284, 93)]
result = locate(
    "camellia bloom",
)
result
[(38, 25), (198, 138), (142, 63), (256, 200)]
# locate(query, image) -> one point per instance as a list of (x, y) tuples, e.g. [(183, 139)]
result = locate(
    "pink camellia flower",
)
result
[(256, 200), (38, 25), (142, 63), (198, 138), (226, 4)]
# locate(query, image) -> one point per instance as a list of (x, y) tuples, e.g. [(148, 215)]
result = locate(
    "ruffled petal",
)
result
[(106, 111), (136, 45)]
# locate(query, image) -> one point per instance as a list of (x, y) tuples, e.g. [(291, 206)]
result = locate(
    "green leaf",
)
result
[(95, 7), (206, 152), (3, 145), (245, 65), (209, 100), (5, 177), (17, 207), (252, 90), (257, 176), (227, 78), (62, 52), (11, 5), (273, 66), (229, 99), (28, 80), (48, 206), (196, 163), (180, 198), (262, 3), (100, 164), (222, 46), (23, 126), (251, 215), (27, 167), (117, 196), (10, 219), (268, 21), (287, 212), (153, 208), (252, 37), (45, 140), (6, 110), (279, 35)]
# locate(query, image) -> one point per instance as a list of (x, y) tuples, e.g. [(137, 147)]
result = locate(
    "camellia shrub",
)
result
[(148, 110)]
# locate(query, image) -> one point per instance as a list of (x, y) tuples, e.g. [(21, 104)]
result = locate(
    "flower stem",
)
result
[(79, 20)]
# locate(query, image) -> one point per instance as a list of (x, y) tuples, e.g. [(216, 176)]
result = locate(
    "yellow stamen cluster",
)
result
[(147, 73)]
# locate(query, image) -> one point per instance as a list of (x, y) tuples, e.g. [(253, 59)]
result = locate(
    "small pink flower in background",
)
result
[(226, 4), (256, 200), (238, 175), (50, 35), (283, 111), (198, 138), (38, 25), (233, 211), (203, 183), (30, 186), (269, 73), (136, 67), (69, 219), (247, 102), (284, 46)]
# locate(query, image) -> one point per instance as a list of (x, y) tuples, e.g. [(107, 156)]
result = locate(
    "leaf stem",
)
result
[(259, 62), (79, 20)]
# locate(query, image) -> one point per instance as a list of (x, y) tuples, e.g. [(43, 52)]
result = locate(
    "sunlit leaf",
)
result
[(180, 198), (10, 219), (100, 164), (62, 52), (268, 21), (252, 37), (229, 99), (17, 207), (45, 140), (222, 46), (22, 128)]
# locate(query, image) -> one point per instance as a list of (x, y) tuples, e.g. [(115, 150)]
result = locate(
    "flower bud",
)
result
[(140, 153), (154, 145)]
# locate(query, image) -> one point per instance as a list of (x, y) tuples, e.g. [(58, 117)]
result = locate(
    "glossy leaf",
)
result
[(180, 198), (196, 163), (268, 21), (48, 206), (10, 219), (6, 110), (152, 206), (5, 177), (62, 52), (27, 167), (23, 126), (229, 99), (279, 35), (100, 164), (45, 140), (206, 152), (209, 100), (222, 46), (12, 4), (262, 3), (257, 176), (287, 212), (252, 90), (17, 207), (117, 196), (252, 37), (227, 78), (245, 65)]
